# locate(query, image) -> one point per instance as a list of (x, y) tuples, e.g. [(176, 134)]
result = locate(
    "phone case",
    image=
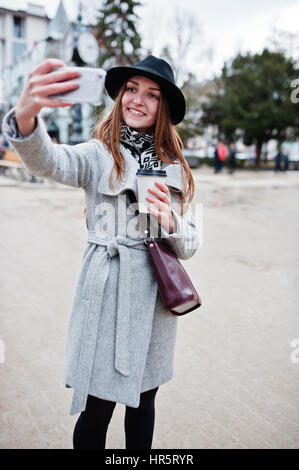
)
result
[(91, 86)]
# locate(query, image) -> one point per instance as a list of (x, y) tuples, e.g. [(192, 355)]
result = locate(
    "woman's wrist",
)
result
[(25, 125)]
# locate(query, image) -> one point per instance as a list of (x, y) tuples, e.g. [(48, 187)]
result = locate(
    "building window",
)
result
[(18, 27), (17, 49)]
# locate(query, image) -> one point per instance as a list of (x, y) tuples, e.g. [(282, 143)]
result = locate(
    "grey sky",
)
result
[(226, 27)]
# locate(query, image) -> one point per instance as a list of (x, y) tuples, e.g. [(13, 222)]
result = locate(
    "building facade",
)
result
[(27, 38), (20, 30)]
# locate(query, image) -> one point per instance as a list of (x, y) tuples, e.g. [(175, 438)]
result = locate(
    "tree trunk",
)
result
[(259, 145)]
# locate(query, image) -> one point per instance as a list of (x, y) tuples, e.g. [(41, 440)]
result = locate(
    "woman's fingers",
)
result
[(161, 191), (42, 84), (160, 204), (163, 214), (162, 186), (56, 76), (53, 88), (46, 66), (50, 103)]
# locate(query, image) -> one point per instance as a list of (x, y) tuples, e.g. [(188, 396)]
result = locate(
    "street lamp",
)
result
[(86, 52)]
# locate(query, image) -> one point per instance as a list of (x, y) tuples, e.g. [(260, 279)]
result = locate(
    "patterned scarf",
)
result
[(141, 146)]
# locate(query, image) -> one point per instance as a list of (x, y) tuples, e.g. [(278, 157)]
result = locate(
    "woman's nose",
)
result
[(138, 98)]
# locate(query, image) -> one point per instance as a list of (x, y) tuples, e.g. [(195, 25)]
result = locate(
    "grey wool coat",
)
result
[(120, 339)]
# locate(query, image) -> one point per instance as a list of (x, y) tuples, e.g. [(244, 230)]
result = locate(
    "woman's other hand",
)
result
[(40, 85), (161, 205)]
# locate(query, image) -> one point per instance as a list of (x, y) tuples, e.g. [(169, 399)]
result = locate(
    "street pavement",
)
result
[(236, 377)]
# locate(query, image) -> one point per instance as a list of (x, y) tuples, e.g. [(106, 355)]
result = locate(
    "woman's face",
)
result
[(140, 103)]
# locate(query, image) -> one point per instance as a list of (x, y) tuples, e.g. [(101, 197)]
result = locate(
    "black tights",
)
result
[(91, 427)]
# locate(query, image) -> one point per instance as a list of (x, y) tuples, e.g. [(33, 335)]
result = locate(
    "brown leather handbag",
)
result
[(175, 287)]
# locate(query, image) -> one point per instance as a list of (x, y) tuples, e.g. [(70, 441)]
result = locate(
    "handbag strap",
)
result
[(148, 226)]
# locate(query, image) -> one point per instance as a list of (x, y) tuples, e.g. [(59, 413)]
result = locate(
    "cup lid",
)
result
[(151, 172)]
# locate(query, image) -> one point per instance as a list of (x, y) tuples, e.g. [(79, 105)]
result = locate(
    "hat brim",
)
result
[(117, 76)]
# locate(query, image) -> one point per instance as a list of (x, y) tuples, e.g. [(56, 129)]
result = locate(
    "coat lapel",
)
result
[(129, 181)]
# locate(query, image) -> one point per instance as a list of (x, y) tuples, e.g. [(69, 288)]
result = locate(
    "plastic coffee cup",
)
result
[(145, 180)]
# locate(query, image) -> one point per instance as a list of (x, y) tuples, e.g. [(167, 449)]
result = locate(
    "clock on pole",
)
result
[(87, 47)]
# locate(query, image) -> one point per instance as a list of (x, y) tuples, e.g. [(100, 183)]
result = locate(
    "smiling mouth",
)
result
[(135, 112)]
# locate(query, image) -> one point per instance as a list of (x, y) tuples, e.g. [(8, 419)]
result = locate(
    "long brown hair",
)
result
[(168, 144)]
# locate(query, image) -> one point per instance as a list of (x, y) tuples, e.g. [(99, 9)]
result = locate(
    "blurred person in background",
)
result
[(232, 157), (219, 156)]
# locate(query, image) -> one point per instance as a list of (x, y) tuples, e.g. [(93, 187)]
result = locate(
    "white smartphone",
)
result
[(91, 86)]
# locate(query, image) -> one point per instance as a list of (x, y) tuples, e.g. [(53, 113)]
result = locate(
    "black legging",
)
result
[(92, 424)]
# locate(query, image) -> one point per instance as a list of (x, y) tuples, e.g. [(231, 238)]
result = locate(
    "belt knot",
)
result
[(112, 248), (113, 245)]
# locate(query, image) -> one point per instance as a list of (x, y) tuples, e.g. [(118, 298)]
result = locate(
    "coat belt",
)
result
[(114, 246)]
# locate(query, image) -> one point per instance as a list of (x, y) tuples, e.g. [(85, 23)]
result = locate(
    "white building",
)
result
[(27, 38), (20, 31)]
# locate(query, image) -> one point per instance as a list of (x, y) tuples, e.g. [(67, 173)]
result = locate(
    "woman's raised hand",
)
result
[(40, 85)]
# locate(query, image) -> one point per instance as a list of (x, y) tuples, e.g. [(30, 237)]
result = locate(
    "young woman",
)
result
[(121, 339)]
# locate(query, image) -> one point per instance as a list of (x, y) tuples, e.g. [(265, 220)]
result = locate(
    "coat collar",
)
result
[(129, 182)]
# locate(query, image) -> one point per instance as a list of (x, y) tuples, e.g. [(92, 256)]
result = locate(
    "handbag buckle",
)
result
[(148, 240)]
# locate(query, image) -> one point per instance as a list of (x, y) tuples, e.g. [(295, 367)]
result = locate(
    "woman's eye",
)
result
[(152, 95), (130, 89)]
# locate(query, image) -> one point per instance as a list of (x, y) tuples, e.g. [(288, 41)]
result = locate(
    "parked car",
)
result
[(192, 157)]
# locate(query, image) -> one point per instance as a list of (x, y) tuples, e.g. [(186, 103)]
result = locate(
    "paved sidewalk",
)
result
[(235, 385)]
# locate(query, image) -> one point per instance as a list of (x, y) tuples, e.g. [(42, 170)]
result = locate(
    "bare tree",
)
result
[(286, 42), (186, 31), (185, 46)]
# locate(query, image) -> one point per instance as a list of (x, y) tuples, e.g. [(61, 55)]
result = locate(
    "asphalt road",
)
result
[(237, 364)]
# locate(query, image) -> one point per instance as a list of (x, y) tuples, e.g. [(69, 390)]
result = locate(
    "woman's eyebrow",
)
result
[(136, 83)]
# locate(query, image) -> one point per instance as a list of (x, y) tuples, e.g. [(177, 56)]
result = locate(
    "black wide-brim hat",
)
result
[(157, 70)]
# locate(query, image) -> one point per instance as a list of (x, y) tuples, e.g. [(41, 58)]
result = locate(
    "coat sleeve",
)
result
[(66, 164), (184, 241)]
